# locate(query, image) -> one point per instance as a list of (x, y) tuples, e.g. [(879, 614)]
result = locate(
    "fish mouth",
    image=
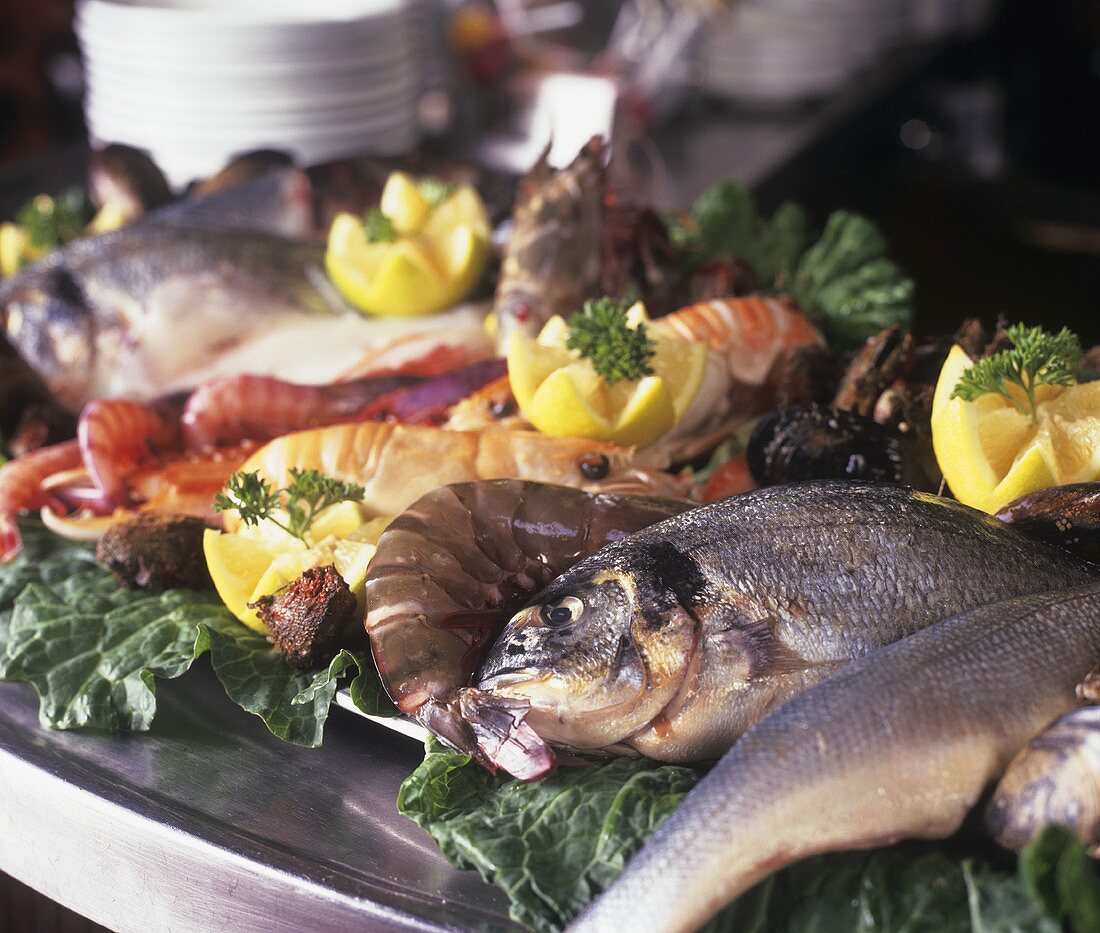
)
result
[(512, 676)]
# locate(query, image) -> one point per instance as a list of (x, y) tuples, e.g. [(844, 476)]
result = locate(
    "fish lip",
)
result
[(510, 676)]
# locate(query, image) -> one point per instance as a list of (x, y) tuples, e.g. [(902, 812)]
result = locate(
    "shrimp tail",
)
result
[(117, 435), (491, 730), (21, 489)]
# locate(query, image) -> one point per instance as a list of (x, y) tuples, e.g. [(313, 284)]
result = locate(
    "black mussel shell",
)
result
[(1066, 516), (806, 442)]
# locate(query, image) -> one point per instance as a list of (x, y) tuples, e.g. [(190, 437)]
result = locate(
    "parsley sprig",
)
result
[(616, 350), (1035, 358), (379, 227), (310, 492)]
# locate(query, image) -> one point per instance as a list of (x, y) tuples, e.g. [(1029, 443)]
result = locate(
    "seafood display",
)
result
[(674, 641), (452, 567), (616, 489), (900, 744), (1055, 778)]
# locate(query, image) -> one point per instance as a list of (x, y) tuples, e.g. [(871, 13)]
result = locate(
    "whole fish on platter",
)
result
[(675, 640), (153, 309), (900, 745)]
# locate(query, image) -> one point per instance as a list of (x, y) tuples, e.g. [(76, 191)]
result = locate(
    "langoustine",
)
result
[(448, 573), (748, 339), (226, 411), (552, 261), (397, 464)]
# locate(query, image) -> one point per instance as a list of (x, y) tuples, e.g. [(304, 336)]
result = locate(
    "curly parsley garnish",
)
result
[(616, 350), (379, 227), (1035, 358), (310, 492)]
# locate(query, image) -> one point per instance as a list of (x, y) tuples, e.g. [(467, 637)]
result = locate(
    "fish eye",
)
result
[(593, 465), (563, 612)]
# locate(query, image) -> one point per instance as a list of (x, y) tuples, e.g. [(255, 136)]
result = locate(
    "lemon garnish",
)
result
[(562, 395), (991, 452), (434, 261)]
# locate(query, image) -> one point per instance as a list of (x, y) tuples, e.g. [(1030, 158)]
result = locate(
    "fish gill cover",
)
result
[(554, 845), (93, 651)]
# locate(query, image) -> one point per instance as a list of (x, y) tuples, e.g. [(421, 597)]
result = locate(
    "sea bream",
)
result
[(901, 744), (675, 640), (193, 292)]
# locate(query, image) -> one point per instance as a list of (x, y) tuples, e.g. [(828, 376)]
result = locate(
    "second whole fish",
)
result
[(674, 641), (157, 307), (900, 745)]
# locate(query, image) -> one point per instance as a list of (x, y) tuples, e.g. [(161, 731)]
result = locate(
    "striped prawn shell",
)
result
[(21, 488), (749, 335), (115, 435)]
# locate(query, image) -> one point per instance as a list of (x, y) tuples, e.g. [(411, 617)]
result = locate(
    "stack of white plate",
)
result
[(195, 82), (778, 52)]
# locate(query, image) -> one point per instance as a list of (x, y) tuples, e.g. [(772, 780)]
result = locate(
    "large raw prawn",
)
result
[(448, 574)]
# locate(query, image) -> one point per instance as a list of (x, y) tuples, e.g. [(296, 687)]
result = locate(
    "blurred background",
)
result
[(967, 128)]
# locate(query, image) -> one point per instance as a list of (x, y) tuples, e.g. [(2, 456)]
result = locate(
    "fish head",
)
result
[(50, 324), (597, 655)]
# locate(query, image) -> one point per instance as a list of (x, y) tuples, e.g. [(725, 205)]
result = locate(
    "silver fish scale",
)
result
[(885, 561), (900, 744)]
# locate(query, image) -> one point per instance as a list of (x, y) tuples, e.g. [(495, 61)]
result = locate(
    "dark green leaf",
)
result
[(782, 240), (726, 219), (293, 704), (846, 281), (552, 845), (1059, 873), (365, 688), (92, 650)]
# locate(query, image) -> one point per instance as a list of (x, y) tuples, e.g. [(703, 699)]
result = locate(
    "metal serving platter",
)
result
[(209, 823)]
